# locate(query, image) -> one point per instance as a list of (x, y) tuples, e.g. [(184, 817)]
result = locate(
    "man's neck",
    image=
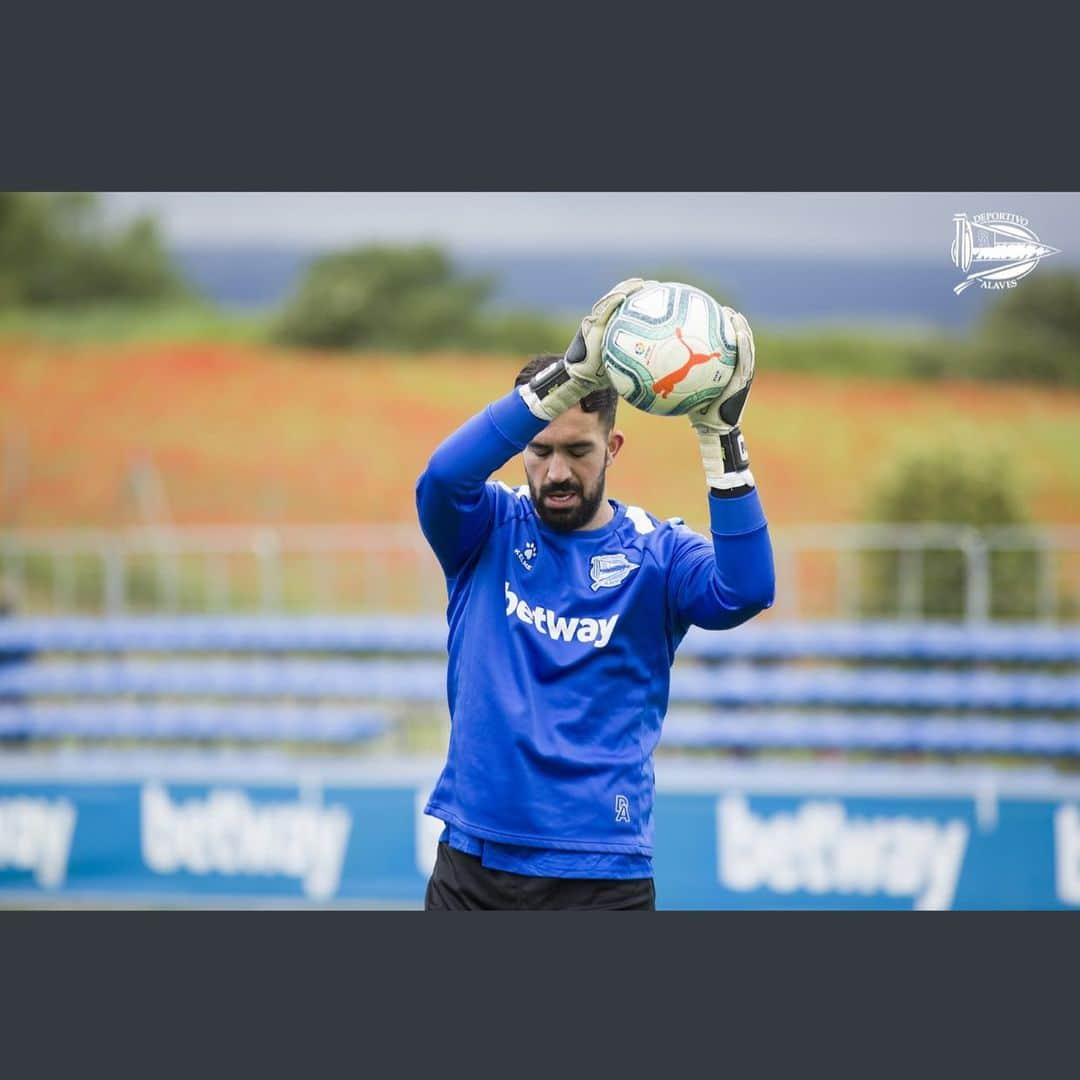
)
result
[(604, 513)]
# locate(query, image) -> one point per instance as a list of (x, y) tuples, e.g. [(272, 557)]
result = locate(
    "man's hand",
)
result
[(723, 451), (581, 371)]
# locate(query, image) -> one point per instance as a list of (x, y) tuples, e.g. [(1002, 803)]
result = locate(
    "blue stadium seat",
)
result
[(241, 634), (909, 641), (408, 680), (425, 680), (75, 677), (685, 729), (410, 634), (165, 720), (898, 688)]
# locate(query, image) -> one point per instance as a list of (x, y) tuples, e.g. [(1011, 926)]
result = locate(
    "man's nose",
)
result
[(558, 470)]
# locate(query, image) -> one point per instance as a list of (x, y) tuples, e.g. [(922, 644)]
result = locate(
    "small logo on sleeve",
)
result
[(607, 571), (622, 809)]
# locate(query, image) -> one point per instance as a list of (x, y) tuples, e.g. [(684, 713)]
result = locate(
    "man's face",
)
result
[(566, 464)]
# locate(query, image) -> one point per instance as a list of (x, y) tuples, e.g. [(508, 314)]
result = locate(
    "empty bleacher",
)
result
[(874, 687)]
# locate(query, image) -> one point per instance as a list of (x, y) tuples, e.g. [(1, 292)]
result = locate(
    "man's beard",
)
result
[(580, 511)]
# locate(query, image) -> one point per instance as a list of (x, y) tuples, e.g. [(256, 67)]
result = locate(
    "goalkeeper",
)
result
[(565, 611)]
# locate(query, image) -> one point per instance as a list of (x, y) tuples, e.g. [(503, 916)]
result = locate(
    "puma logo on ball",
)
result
[(664, 386)]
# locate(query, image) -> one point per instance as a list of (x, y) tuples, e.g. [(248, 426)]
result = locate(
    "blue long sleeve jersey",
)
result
[(560, 651)]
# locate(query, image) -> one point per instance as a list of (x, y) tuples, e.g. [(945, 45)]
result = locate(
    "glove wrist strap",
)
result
[(549, 393), (725, 459), (736, 456)]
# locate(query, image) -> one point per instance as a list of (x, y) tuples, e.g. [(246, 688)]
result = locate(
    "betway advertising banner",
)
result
[(257, 830)]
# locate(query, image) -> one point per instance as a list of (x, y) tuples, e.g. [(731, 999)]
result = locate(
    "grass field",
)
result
[(111, 323), (245, 433)]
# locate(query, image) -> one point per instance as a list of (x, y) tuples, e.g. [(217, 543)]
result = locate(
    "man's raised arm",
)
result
[(455, 505), (454, 502), (729, 584)]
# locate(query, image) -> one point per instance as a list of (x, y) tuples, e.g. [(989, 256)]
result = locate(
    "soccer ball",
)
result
[(669, 348)]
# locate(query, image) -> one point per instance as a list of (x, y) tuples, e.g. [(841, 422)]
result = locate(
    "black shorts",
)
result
[(460, 882)]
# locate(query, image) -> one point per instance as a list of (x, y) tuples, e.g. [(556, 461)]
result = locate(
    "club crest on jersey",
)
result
[(607, 571), (526, 555)]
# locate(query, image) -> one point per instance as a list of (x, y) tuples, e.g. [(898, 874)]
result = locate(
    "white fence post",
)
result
[(977, 606), (266, 547), (113, 568)]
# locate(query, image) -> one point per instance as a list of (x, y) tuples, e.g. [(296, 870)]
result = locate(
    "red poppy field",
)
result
[(241, 434)]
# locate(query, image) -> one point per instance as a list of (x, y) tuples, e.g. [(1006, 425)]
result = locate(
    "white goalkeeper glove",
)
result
[(723, 450), (566, 381)]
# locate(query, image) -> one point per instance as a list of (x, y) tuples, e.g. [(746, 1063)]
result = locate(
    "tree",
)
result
[(55, 249), (946, 485), (381, 297), (1033, 331)]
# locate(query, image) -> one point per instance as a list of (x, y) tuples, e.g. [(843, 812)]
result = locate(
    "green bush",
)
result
[(947, 485), (55, 249), (1047, 301), (400, 298), (1035, 355), (847, 352), (1029, 334), (408, 299), (522, 333), (1032, 332)]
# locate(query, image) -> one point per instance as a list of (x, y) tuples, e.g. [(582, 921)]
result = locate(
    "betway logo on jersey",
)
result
[(819, 849), (559, 627)]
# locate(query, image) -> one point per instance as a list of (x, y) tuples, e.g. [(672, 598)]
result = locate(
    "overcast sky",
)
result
[(904, 226)]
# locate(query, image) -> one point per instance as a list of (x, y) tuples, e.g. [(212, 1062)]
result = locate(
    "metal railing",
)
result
[(220, 568), (823, 571), (1051, 579)]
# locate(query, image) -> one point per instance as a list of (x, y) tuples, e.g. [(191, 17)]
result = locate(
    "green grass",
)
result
[(837, 350), (840, 351), (107, 323)]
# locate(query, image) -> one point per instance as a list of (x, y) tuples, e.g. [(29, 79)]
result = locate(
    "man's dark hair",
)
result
[(599, 401)]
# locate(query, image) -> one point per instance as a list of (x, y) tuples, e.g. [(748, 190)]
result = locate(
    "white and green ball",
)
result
[(656, 370)]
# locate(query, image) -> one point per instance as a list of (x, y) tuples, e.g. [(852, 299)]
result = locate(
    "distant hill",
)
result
[(774, 291)]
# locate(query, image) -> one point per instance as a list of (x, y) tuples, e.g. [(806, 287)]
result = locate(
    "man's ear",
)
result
[(614, 444)]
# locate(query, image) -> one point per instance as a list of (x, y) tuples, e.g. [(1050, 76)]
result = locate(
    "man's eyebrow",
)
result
[(580, 445)]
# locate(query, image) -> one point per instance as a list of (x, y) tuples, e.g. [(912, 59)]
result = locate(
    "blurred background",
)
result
[(222, 642)]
